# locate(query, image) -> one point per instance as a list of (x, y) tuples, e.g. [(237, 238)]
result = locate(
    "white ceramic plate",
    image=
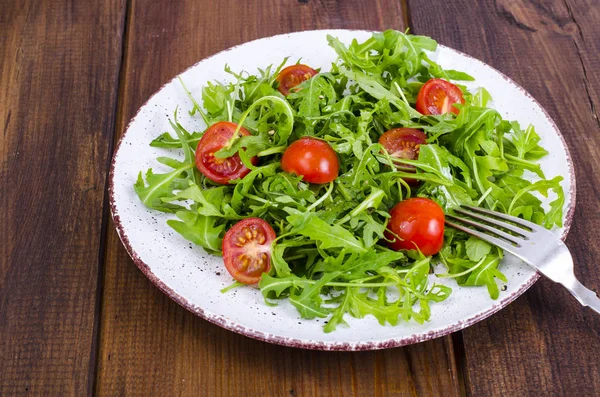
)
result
[(194, 279)]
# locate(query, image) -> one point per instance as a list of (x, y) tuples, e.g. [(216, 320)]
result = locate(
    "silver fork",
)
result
[(532, 243)]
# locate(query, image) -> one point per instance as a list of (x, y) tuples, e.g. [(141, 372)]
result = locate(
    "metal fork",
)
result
[(532, 243)]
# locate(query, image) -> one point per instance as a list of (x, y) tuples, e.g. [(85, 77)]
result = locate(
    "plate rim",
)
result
[(220, 320)]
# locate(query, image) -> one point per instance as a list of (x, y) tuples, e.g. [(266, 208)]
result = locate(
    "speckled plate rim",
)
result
[(334, 346)]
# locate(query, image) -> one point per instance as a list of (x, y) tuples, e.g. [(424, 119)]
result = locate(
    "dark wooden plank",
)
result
[(59, 63), (150, 345), (585, 17), (544, 343)]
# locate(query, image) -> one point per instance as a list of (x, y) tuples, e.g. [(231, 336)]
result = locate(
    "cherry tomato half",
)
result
[(437, 97), (247, 250), (216, 169), (419, 223), (311, 158), (292, 76), (404, 143)]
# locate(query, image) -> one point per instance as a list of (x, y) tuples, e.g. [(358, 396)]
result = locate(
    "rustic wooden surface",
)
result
[(77, 317), (59, 65)]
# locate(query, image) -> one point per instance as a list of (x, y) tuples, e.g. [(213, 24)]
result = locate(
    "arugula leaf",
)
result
[(554, 215), (159, 186), (309, 301), (251, 144), (481, 98), (199, 229), (188, 152), (277, 285), (167, 141), (358, 266), (215, 97), (486, 274), (196, 107), (377, 90), (477, 249), (206, 201), (525, 143), (243, 187), (361, 305), (282, 269), (310, 96), (440, 161), (309, 225), (458, 75), (337, 316)]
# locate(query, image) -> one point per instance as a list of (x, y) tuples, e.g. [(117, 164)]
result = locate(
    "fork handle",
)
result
[(584, 295)]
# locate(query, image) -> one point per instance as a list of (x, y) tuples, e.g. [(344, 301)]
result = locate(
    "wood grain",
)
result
[(59, 62), (151, 346), (544, 343)]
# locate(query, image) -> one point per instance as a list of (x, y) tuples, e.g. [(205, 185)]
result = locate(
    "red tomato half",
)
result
[(247, 250), (404, 143), (292, 76), (216, 169), (437, 97), (419, 223), (311, 158)]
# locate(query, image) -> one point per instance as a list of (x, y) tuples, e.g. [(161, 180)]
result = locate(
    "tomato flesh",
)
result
[(311, 158), (416, 223), (438, 96), (220, 170), (247, 250), (293, 75), (404, 143)]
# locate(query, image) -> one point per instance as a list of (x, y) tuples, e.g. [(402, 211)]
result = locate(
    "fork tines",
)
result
[(519, 229)]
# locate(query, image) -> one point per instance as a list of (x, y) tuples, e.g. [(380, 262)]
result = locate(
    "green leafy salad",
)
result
[(329, 188)]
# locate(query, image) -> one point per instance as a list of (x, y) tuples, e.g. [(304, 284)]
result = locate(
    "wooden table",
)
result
[(77, 317)]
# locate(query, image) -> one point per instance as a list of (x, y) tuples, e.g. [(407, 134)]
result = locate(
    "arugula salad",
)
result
[(329, 188)]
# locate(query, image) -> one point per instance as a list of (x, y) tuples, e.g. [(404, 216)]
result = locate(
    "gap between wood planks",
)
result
[(583, 68), (95, 350)]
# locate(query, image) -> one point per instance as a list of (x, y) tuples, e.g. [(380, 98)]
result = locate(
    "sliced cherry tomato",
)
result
[(311, 158), (247, 250), (217, 169), (416, 223), (404, 143), (292, 76), (437, 97)]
